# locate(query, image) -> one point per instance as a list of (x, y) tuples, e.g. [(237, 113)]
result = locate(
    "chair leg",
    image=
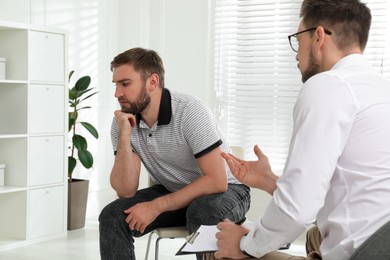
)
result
[(148, 246), (156, 249)]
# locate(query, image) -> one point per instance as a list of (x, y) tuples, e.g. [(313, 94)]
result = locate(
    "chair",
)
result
[(168, 232), (178, 232)]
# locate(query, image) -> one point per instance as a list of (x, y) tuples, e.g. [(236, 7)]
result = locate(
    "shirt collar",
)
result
[(165, 111), (349, 59)]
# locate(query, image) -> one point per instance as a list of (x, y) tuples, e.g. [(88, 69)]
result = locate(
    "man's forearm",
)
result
[(213, 180), (183, 197), (126, 170)]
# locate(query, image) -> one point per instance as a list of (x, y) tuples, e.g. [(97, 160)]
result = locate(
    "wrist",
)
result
[(158, 205), (270, 183), (242, 241)]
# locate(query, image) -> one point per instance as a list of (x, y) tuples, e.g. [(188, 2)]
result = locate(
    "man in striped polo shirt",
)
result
[(178, 141)]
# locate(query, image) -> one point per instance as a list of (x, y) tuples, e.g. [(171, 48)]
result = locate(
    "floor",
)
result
[(83, 244)]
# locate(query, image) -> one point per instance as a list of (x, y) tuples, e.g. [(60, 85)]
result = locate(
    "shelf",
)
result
[(33, 134), (9, 136), (9, 81), (7, 25), (9, 189)]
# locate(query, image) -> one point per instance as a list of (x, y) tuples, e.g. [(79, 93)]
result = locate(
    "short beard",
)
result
[(140, 104), (313, 69)]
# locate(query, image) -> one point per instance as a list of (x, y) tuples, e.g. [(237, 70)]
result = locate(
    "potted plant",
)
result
[(78, 188)]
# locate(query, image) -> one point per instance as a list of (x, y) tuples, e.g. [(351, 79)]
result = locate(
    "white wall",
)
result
[(16, 10), (178, 30), (100, 29)]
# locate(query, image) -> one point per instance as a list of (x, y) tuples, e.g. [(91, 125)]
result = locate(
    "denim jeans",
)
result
[(117, 240)]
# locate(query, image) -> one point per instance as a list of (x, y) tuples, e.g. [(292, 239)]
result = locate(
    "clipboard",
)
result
[(204, 241), (201, 241)]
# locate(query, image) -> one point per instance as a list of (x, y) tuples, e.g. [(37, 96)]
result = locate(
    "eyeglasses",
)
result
[(294, 41)]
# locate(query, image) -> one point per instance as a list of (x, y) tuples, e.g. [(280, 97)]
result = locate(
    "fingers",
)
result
[(125, 121), (119, 115), (117, 112), (222, 224), (233, 164), (225, 156), (226, 241), (232, 160), (132, 121), (229, 156), (140, 227), (238, 160), (229, 160), (135, 224), (258, 152)]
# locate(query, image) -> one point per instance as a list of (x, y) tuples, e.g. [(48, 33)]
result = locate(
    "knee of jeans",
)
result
[(199, 213), (109, 213)]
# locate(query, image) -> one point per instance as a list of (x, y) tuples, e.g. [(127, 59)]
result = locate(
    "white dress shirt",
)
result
[(337, 173)]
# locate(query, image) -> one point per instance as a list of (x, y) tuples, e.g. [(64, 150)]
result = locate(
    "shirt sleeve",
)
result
[(200, 128), (323, 117), (114, 135)]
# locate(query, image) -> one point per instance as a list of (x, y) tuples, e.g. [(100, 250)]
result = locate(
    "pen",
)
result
[(240, 221)]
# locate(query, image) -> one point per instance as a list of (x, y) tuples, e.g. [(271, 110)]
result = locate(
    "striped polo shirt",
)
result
[(185, 130)]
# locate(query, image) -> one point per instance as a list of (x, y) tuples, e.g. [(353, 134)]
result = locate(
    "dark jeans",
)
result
[(117, 240)]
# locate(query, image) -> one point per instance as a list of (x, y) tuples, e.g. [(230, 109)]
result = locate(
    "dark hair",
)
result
[(146, 62), (349, 20)]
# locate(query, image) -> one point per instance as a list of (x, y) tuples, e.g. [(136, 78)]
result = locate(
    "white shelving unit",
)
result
[(33, 134)]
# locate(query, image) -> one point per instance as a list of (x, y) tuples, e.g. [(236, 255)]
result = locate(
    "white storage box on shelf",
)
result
[(2, 67), (2, 167)]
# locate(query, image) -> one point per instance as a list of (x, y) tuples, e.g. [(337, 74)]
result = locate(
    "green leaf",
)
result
[(80, 142), (91, 129), (85, 158), (83, 92), (73, 94), (83, 83), (72, 103), (71, 165), (73, 115), (89, 95), (87, 107), (70, 75), (71, 123), (75, 103)]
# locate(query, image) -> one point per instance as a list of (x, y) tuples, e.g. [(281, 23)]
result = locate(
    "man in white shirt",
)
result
[(337, 174)]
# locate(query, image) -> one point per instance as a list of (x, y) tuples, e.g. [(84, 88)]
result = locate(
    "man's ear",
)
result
[(319, 35), (154, 81), (318, 41)]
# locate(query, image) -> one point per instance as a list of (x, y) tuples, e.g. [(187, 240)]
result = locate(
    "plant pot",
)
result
[(77, 203)]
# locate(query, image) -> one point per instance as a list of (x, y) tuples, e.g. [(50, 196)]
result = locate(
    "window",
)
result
[(256, 78)]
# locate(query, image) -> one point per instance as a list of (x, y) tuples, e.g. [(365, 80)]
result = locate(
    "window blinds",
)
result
[(256, 78)]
